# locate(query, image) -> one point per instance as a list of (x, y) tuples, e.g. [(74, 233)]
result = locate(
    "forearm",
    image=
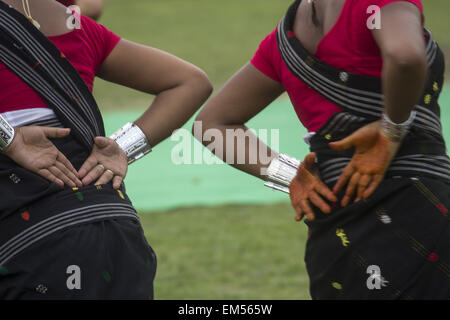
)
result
[(403, 85), (402, 47), (239, 147), (91, 8), (172, 108)]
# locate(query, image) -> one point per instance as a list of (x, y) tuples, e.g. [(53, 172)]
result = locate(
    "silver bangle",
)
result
[(7, 133), (132, 141), (396, 131), (282, 170)]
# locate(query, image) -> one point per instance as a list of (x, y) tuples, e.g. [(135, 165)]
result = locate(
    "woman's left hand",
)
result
[(107, 162), (374, 152)]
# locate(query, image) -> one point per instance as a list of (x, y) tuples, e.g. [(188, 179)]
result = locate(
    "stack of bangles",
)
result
[(283, 169), (132, 140)]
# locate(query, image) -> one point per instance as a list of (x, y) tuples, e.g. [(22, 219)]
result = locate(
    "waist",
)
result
[(421, 154), (59, 211), (32, 117)]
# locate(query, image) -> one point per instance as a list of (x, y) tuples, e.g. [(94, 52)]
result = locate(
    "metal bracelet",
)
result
[(132, 141), (6, 134), (282, 170), (396, 131)]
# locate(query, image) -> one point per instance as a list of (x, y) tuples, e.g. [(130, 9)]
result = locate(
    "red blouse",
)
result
[(349, 45), (67, 2), (85, 48)]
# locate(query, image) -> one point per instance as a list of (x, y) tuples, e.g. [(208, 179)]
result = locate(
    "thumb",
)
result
[(309, 160), (101, 142), (343, 144), (55, 133)]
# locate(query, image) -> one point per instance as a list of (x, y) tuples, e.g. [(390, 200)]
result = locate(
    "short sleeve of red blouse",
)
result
[(383, 3), (101, 41), (264, 58), (67, 2), (86, 48), (358, 40)]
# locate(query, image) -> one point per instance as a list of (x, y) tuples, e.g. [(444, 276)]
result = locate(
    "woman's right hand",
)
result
[(32, 149)]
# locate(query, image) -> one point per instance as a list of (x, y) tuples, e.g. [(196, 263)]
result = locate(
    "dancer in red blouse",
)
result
[(67, 227), (364, 78)]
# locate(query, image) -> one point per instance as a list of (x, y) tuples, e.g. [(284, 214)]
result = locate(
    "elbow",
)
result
[(202, 123), (198, 129), (201, 84), (407, 58)]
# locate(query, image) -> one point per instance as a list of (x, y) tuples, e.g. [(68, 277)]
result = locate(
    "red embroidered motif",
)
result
[(442, 208), (433, 257), (25, 215)]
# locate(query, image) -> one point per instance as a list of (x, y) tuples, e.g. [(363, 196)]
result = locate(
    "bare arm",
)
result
[(91, 8), (180, 87), (402, 46), (246, 94), (180, 90)]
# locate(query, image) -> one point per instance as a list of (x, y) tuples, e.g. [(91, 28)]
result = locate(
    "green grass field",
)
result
[(223, 251)]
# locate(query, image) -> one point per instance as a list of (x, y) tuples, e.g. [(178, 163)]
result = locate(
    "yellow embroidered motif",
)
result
[(328, 136), (435, 86), (341, 234), (74, 189), (427, 99), (337, 285), (121, 194), (99, 187), (309, 61)]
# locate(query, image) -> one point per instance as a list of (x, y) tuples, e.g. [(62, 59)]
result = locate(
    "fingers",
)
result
[(351, 189), (343, 144), (102, 142), (95, 173), (67, 176), (299, 214), (309, 161), (319, 202), (323, 190), (305, 207), (106, 177), (50, 176), (117, 181), (87, 166), (59, 174), (375, 182), (55, 133), (66, 166), (362, 186), (343, 179)]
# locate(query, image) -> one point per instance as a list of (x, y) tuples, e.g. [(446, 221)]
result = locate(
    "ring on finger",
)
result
[(101, 166), (110, 171)]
